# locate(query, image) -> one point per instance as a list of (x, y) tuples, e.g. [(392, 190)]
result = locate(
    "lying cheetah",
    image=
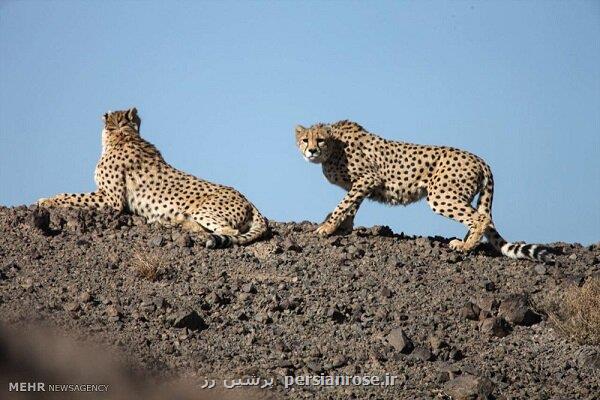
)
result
[(391, 172), (132, 175)]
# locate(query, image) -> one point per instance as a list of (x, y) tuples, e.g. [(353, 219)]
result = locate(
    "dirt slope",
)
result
[(370, 303)]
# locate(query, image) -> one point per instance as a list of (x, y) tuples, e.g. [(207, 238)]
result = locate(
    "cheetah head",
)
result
[(120, 123), (314, 142)]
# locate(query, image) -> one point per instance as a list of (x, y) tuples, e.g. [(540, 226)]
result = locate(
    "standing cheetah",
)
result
[(395, 173), (132, 175)]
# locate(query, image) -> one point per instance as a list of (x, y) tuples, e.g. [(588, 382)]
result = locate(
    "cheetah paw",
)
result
[(457, 244), (325, 230)]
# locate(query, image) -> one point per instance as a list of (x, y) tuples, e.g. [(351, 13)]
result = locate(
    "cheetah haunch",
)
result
[(386, 171), (132, 175)]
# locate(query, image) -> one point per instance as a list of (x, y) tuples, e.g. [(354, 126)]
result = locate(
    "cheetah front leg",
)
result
[(94, 200), (348, 207), (347, 225), (110, 194)]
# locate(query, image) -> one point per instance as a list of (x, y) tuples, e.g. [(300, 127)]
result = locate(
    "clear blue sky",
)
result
[(220, 86)]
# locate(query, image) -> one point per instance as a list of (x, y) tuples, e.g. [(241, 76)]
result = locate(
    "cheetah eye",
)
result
[(319, 141), (305, 140)]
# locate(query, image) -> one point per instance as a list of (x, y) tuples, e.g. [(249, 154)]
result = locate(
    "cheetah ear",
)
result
[(105, 116), (327, 130), (299, 131), (132, 114)]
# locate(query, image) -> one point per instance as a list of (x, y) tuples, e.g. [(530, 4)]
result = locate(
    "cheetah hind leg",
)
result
[(464, 213), (478, 225)]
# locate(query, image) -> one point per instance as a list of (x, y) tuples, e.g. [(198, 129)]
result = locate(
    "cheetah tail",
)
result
[(534, 252), (258, 227)]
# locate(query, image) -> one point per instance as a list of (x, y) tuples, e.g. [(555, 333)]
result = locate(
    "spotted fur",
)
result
[(392, 172), (132, 175)]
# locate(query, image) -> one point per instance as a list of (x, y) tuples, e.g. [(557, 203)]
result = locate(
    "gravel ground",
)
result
[(370, 303)]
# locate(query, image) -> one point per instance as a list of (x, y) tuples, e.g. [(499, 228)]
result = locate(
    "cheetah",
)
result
[(133, 176), (394, 173)]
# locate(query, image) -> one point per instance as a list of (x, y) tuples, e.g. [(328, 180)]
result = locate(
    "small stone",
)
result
[(27, 284), (72, 307), (458, 279), (335, 315), (515, 310), (398, 339), (573, 257), (576, 280), (263, 317), (157, 241), (159, 302), (314, 366), (421, 354), (85, 297), (339, 361), (451, 369), (248, 288), (540, 269), (386, 292), (169, 349), (213, 298), (454, 258), (489, 286), (436, 342), (483, 314), (190, 320), (470, 311), (398, 262), (379, 230), (290, 245), (456, 354), (354, 252), (285, 364), (487, 302), (184, 240), (469, 387), (495, 326), (113, 311)]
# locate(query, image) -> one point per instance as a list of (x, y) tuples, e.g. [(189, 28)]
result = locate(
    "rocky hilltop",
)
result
[(369, 303)]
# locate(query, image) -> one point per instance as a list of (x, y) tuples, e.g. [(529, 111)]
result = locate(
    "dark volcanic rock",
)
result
[(157, 241), (469, 387), (400, 341), (190, 320), (421, 354), (495, 326), (40, 219), (183, 240), (470, 311), (515, 309)]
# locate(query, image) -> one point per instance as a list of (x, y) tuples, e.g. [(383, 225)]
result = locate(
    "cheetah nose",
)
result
[(312, 151)]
